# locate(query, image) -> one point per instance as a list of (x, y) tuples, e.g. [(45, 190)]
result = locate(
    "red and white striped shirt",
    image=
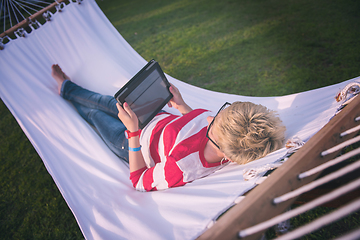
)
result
[(173, 148)]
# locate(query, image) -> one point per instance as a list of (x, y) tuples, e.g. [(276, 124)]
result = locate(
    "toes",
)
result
[(58, 73)]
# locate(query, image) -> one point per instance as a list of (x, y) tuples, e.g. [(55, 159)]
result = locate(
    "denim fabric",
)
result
[(101, 112)]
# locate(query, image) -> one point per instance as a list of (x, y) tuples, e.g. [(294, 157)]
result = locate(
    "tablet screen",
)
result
[(147, 96), (146, 93)]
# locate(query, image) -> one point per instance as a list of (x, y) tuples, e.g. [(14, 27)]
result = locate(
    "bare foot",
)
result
[(58, 75)]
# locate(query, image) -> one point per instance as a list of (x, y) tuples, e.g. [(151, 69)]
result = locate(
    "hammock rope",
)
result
[(25, 14), (19, 10)]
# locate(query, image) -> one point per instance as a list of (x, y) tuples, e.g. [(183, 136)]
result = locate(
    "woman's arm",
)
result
[(178, 102), (130, 120)]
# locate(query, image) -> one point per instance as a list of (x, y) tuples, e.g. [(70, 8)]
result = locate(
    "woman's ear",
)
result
[(227, 158)]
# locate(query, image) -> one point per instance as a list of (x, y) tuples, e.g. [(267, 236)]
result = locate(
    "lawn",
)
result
[(245, 47)]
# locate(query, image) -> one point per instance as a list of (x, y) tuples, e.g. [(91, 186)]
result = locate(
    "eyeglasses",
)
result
[(212, 122)]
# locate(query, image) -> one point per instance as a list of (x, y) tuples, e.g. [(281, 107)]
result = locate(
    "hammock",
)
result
[(93, 181)]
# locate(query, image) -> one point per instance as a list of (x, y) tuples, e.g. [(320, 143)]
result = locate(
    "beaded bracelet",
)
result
[(135, 149)]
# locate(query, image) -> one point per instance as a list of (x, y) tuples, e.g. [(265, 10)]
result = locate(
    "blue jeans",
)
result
[(101, 112)]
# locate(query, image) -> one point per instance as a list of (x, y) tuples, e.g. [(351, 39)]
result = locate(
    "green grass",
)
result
[(257, 48), (246, 47), (31, 207)]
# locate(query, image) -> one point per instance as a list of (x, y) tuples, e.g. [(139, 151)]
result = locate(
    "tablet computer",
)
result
[(146, 93)]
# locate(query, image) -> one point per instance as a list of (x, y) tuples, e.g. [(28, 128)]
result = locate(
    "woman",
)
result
[(173, 150)]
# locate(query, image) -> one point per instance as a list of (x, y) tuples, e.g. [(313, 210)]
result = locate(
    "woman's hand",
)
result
[(131, 122), (177, 101), (128, 117)]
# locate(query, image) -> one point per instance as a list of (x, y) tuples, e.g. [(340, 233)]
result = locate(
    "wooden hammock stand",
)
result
[(258, 204)]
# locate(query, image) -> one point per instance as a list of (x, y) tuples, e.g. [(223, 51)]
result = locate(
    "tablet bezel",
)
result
[(132, 84)]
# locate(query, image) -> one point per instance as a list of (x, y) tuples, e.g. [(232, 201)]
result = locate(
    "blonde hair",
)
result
[(246, 131)]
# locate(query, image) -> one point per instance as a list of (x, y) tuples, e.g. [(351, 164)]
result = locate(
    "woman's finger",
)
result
[(129, 110), (128, 117), (120, 109), (174, 90), (123, 114)]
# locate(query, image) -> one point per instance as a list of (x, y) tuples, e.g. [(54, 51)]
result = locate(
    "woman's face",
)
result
[(212, 134), (212, 121), (212, 131)]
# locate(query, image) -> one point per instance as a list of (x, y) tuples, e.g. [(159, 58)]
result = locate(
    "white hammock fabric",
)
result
[(93, 181)]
